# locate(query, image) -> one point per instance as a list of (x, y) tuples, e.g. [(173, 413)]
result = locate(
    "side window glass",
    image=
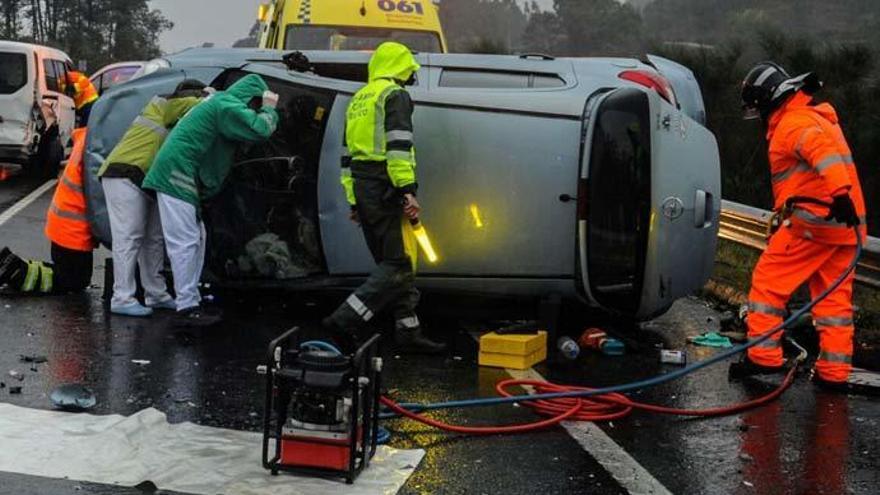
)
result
[(457, 78), (61, 68), (117, 76), (100, 84), (491, 79), (547, 81), (51, 75)]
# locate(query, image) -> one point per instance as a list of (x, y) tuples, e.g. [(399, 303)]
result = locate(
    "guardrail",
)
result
[(747, 225)]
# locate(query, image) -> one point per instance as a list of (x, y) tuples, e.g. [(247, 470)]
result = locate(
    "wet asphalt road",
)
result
[(807, 442)]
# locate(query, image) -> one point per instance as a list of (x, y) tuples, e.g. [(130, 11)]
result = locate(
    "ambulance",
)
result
[(341, 25)]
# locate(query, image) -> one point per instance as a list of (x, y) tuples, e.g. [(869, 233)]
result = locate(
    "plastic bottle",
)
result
[(594, 338), (568, 348)]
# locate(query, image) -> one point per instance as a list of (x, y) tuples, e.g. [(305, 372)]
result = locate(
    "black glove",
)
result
[(844, 211)]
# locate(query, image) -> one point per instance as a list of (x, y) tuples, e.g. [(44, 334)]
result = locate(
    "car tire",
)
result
[(47, 161)]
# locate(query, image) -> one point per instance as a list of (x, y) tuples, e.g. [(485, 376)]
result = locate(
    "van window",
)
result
[(52, 76), (300, 37), (619, 199), (469, 78), (13, 72), (62, 68)]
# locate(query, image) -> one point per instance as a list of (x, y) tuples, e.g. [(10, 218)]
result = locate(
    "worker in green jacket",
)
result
[(378, 175), (191, 166), (134, 215)]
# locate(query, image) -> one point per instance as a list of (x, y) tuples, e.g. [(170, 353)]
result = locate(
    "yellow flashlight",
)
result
[(424, 241)]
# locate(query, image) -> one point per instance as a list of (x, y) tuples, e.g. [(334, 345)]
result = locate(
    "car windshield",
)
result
[(13, 72), (300, 37)]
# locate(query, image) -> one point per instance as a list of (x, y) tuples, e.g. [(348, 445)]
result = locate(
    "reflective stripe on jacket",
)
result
[(809, 156), (134, 154), (66, 221), (378, 123), (84, 90)]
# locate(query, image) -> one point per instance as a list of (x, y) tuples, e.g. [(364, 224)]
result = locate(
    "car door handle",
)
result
[(565, 198), (703, 206)]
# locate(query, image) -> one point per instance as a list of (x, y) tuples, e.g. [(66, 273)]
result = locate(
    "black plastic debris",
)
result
[(147, 487), (36, 359), (15, 390), (73, 397)]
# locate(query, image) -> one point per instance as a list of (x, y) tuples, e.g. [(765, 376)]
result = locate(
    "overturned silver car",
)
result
[(593, 179)]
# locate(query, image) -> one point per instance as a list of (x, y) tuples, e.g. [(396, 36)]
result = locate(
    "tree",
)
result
[(599, 27), (495, 25), (97, 31), (252, 40)]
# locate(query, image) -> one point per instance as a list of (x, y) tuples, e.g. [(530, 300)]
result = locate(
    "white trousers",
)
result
[(185, 240), (137, 242)]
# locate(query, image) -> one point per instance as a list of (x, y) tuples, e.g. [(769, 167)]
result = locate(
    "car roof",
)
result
[(30, 47)]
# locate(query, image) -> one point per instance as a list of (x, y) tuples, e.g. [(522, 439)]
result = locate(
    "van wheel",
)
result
[(46, 163)]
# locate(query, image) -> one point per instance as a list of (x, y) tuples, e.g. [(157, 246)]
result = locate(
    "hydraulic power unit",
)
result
[(322, 407)]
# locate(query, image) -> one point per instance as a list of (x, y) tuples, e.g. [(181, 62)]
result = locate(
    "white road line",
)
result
[(26, 201), (619, 464)]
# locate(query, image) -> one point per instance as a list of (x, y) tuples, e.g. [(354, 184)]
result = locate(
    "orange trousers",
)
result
[(789, 262)]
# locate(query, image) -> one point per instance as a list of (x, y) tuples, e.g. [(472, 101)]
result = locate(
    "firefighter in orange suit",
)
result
[(84, 96), (809, 157), (68, 230)]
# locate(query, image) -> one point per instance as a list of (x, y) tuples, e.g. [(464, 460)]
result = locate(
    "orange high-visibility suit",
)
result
[(84, 91), (809, 156)]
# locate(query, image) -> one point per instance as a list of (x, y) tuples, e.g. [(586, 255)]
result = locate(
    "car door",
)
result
[(54, 75), (650, 203), (685, 207)]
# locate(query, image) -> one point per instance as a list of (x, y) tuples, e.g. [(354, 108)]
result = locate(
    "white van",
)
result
[(33, 82)]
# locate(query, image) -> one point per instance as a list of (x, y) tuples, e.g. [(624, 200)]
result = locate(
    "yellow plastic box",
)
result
[(513, 351)]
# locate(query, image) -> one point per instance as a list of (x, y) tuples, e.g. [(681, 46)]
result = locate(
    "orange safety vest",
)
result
[(66, 222), (809, 156), (84, 90)]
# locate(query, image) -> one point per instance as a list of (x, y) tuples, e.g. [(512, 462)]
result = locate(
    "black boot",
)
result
[(412, 341), (745, 368), (13, 269)]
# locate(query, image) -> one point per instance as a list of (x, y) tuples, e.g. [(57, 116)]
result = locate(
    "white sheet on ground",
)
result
[(185, 457)]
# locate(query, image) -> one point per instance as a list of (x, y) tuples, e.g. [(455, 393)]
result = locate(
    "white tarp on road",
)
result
[(128, 450)]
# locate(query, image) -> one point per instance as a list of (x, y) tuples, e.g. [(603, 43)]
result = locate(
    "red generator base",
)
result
[(315, 453)]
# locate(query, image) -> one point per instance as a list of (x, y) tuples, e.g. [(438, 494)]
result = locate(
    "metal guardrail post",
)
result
[(747, 226)]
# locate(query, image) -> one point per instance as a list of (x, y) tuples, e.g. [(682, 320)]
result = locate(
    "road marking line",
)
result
[(619, 464), (26, 201)]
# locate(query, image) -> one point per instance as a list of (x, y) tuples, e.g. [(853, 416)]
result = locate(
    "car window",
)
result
[(476, 78), (98, 82), (620, 199), (336, 38), (62, 69), (117, 76), (51, 75), (13, 72)]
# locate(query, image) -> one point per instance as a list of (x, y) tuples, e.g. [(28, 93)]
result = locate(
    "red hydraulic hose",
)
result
[(597, 408)]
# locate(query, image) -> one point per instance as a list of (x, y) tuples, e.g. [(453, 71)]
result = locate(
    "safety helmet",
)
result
[(764, 89)]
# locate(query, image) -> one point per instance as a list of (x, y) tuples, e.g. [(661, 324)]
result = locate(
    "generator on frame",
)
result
[(321, 415)]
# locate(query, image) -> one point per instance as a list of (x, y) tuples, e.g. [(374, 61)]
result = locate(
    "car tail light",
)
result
[(651, 80)]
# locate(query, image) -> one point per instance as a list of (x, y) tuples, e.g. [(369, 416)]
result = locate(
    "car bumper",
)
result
[(14, 154)]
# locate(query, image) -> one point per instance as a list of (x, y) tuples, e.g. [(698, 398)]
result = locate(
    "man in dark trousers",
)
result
[(378, 174)]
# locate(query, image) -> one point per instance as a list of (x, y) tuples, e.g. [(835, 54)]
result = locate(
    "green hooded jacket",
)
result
[(197, 156), (133, 156), (378, 123)]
